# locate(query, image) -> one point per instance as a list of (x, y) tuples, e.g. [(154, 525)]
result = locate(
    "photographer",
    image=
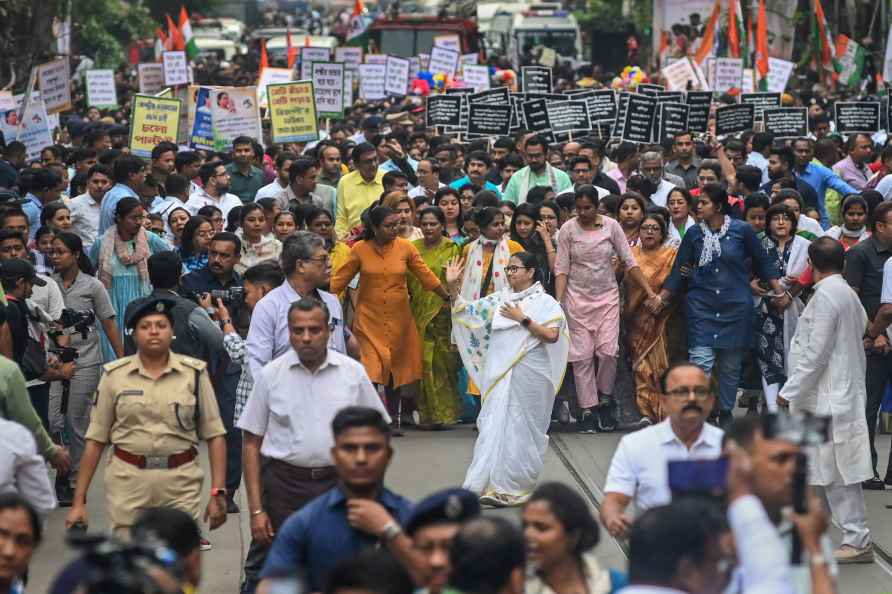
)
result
[(84, 296), (827, 370), (764, 467), (219, 275), (195, 334)]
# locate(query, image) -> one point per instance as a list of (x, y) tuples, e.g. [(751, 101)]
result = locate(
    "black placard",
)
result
[(489, 120), (601, 130), (444, 110), (517, 121), (639, 120), (499, 96), (536, 115), (670, 97), (622, 106), (761, 101), (857, 116), (463, 93), (673, 119), (786, 122), (568, 116), (650, 89), (536, 79), (698, 117), (732, 119), (602, 106)]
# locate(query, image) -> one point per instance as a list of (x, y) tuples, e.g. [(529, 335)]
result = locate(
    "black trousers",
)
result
[(283, 494), (226, 391), (879, 372), (40, 400)]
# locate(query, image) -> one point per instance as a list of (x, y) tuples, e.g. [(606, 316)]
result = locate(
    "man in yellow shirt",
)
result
[(358, 189)]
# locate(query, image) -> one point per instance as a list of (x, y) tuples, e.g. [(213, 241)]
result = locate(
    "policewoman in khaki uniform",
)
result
[(145, 409)]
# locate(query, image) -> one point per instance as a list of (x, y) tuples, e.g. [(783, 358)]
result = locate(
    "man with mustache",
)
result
[(638, 471)]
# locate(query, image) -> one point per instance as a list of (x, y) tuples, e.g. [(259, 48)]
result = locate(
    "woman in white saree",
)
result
[(514, 344)]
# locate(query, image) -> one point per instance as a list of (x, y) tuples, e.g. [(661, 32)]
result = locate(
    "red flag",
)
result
[(292, 51), (264, 59), (175, 38), (161, 43)]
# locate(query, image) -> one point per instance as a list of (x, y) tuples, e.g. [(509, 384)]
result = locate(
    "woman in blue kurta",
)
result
[(713, 264), (121, 258)]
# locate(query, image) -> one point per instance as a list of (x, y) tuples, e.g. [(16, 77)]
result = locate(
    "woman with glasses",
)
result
[(194, 244), (257, 245), (589, 249), (775, 327), (214, 215), (647, 332), (121, 259), (439, 404), (528, 229), (82, 292), (383, 324), (514, 344)]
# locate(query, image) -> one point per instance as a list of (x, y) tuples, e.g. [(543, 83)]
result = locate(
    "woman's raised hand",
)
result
[(455, 269)]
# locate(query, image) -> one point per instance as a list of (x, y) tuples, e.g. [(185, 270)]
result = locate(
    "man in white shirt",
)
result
[(287, 420), (638, 472), (280, 184), (651, 166), (215, 192), (428, 173), (22, 470), (86, 208)]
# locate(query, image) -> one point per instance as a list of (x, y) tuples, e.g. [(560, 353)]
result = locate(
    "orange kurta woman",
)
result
[(384, 326)]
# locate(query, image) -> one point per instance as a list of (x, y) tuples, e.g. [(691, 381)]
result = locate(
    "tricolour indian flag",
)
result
[(186, 32), (822, 40), (850, 56), (357, 34)]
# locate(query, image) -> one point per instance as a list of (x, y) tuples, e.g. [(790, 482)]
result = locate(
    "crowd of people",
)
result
[(297, 306)]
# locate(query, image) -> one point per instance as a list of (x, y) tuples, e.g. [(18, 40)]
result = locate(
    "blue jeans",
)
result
[(729, 365)]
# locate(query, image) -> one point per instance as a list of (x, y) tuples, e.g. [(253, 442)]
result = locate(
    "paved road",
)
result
[(423, 463)]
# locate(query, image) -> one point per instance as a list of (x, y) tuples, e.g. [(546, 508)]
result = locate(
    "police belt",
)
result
[(157, 462)]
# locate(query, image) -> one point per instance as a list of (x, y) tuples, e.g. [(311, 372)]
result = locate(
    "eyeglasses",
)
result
[(700, 393), (319, 259), (650, 228), (511, 268)]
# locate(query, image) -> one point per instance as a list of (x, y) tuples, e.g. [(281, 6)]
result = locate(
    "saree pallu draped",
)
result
[(647, 333), (439, 403), (519, 376)]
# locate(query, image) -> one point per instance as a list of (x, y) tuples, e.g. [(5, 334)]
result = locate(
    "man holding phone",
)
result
[(638, 471)]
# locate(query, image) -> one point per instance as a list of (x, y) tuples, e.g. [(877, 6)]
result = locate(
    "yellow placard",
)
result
[(153, 120), (292, 112)]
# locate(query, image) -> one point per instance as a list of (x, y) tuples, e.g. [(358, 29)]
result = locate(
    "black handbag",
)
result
[(33, 363)]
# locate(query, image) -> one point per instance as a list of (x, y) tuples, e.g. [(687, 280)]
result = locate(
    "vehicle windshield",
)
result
[(563, 42), (398, 42)]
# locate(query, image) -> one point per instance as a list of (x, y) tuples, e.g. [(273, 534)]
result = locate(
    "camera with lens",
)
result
[(83, 321), (230, 296), (804, 429), (113, 566)]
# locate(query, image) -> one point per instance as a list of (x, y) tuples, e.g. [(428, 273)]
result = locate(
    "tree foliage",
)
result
[(104, 28)]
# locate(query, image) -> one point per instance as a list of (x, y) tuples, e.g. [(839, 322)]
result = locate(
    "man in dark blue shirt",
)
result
[(13, 159), (224, 253), (358, 513)]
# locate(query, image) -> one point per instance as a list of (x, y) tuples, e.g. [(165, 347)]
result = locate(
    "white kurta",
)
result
[(518, 376), (826, 371)]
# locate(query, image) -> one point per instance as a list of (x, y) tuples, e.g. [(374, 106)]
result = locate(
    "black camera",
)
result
[(83, 321), (232, 295), (124, 568), (803, 429)]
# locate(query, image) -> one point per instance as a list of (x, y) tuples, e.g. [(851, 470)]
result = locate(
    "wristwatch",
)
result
[(526, 322), (391, 530), (224, 322), (218, 492)]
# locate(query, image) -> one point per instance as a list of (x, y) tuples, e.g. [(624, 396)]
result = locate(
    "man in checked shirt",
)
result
[(257, 281)]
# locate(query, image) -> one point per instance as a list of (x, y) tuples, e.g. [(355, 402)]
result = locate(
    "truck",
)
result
[(545, 25), (409, 35)]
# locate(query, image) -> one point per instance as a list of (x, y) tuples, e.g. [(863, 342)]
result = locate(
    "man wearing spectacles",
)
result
[(638, 471), (358, 189)]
